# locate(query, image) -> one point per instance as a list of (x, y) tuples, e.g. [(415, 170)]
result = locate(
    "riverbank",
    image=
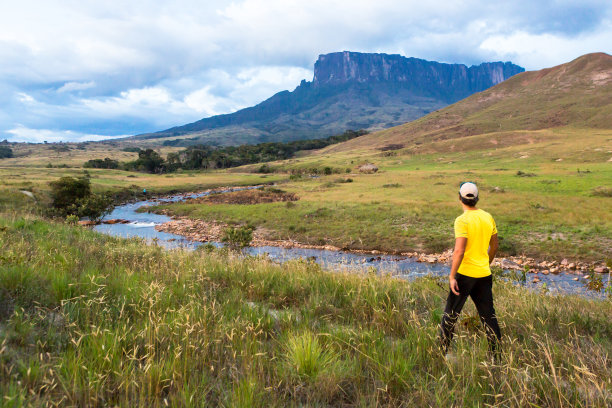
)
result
[(89, 319), (212, 231)]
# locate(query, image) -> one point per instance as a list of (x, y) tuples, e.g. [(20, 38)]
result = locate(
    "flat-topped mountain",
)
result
[(350, 90), (450, 82), (576, 94)]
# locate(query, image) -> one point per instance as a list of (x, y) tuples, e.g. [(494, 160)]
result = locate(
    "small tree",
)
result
[(73, 196), (95, 207), (5, 152), (238, 238), (149, 160), (67, 192)]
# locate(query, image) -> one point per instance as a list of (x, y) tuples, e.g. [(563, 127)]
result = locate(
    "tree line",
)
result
[(210, 157)]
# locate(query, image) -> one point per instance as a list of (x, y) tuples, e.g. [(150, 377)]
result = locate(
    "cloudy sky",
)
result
[(86, 70)]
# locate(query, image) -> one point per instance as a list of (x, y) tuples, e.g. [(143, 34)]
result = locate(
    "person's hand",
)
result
[(454, 286)]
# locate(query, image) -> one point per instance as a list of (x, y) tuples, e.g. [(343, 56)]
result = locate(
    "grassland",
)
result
[(90, 320), (552, 209), (125, 184)]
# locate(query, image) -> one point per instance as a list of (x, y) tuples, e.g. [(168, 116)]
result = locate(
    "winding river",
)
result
[(142, 225)]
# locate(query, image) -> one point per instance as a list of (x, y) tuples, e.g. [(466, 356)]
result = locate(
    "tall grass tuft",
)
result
[(307, 358)]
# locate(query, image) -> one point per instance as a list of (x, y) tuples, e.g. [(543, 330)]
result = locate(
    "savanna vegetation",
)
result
[(560, 210), (204, 157), (90, 320)]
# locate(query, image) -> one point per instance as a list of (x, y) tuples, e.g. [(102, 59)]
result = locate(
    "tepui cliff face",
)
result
[(350, 90), (455, 81)]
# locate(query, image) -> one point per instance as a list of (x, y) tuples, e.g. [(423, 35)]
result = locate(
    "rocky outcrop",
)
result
[(367, 168), (428, 78)]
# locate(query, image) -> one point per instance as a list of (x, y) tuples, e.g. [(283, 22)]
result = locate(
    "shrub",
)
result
[(95, 207), (5, 152), (107, 163), (72, 196), (72, 219), (595, 282), (238, 238), (265, 168), (327, 171), (67, 192)]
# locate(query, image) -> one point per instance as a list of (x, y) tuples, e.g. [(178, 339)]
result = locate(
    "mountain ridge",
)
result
[(577, 93), (349, 90)]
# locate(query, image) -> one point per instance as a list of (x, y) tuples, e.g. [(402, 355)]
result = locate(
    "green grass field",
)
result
[(128, 184), (551, 210), (90, 320)]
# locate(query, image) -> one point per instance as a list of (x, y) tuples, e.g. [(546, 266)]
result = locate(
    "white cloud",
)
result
[(25, 98), (546, 50), (118, 67), (24, 134), (247, 87), (76, 86)]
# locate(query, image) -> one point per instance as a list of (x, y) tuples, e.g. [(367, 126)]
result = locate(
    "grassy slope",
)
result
[(103, 321), (576, 94)]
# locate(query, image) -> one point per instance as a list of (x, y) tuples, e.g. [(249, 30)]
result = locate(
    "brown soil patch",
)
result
[(267, 195)]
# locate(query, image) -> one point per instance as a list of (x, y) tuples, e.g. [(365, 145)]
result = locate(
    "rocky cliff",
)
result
[(349, 90), (450, 81)]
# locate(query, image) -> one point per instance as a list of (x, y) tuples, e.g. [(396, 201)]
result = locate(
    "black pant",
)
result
[(479, 289)]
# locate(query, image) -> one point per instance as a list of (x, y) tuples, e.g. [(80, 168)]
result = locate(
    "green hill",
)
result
[(576, 94)]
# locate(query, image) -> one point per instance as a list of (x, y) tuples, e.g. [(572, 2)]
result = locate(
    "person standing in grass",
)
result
[(476, 244)]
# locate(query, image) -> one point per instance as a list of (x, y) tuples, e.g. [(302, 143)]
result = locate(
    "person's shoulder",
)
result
[(460, 217), (486, 214)]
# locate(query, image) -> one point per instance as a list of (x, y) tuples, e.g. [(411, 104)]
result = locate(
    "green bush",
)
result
[(67, 192), (265, 168), (237, 238), (72, 196), (102, 164), (95, 207), (5, 152)]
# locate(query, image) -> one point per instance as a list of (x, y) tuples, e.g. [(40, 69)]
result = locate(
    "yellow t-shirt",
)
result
[(477, 226)]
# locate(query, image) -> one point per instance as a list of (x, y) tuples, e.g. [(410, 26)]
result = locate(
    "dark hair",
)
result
[(470, 202)]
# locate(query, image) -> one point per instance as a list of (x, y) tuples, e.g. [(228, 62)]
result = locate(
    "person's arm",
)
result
[(458, 253), (493, 245)]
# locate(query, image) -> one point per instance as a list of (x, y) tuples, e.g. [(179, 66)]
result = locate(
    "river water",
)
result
[(142, 225)]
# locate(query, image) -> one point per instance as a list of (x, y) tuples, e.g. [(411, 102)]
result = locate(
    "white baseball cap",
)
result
[(468, 190)]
